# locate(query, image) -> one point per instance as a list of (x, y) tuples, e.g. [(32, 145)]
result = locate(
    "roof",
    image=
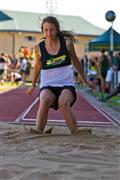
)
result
[(105, 37), (30, 22), (4, 17), (104, 40)]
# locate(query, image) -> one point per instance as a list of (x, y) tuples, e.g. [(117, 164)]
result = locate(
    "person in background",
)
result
[(25, 68), (116, 64), (55, 55), (114, 92), (93, 73), (105, 71), (2, 68), (16, 78)]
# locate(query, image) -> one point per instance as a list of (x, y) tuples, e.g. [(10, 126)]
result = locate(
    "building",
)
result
[(19, 29)]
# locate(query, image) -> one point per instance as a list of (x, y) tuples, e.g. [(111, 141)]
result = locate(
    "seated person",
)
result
[(16, 78), (115, 91)]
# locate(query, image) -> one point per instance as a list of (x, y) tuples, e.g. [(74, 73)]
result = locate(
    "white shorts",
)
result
[(118, 76), (109, 75)]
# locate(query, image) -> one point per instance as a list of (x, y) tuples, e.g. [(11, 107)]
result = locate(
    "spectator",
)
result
[(2, 68), (114, 92), (25, 68), (105, 71), (16, 78)]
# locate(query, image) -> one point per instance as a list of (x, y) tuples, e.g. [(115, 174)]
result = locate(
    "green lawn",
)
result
[(7, 86)]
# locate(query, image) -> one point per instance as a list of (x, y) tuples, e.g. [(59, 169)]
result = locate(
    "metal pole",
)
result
[(13, 43), (111, 51), (111, 38)]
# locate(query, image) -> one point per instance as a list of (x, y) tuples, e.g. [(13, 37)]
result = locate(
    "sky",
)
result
[(92, 10)]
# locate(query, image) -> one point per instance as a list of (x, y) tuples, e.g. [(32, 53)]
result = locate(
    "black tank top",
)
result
[(49, 61)]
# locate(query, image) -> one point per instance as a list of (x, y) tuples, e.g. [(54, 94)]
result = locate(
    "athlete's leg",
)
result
[(115, 91), (65, 99), (47, 98)]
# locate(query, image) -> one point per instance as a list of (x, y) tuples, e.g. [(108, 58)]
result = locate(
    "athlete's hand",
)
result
[(88, 84), (30, 90)]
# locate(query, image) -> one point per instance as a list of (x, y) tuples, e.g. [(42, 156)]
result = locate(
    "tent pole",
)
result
[(111, 38)]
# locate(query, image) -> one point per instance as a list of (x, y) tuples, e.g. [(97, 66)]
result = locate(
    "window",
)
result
[(30, 38)]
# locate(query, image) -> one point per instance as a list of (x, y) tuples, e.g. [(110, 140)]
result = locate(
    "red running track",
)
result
[(13, 103), (16, 105)]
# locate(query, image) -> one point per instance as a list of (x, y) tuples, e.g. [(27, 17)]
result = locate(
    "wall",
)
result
[(11, 42)]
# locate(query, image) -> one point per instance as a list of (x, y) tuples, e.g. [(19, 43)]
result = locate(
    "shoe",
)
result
[(102, 98)]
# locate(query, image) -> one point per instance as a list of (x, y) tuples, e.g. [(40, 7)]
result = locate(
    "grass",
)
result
[(114, 102), (7, 86)]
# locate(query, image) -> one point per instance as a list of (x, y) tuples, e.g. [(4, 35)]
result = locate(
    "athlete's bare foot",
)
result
[(32, 130), (37, 131), (49, 131), (81, 131)]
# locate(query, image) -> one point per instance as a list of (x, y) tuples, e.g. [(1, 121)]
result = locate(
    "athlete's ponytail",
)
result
[(66, 34)]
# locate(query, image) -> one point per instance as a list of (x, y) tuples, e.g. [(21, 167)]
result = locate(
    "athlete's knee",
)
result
[(46, 100), (63, 104)]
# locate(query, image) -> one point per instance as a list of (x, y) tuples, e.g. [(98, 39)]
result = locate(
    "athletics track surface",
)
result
[(16, 106)]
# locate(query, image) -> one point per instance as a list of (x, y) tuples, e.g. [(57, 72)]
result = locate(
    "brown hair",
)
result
[(54, 20)]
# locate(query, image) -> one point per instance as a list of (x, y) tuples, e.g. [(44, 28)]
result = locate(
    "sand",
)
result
[(60, 156)]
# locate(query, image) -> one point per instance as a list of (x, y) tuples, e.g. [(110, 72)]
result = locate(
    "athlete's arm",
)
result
[(74, 58), (37, 68), (76, 63), (37, 65)]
